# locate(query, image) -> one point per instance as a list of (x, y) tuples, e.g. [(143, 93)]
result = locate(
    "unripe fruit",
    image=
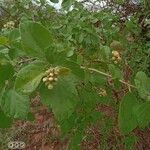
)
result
[(50, 86), (50, 79), (51, 74), (44, 79), (115, 53)]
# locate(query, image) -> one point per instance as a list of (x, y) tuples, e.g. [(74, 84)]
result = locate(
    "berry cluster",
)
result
[(51, 77), (116, 57), (9, 25)]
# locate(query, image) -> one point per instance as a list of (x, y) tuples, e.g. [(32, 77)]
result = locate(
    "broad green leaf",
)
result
[(142, 83), (64, 71), (3, 40), (115, 72), (29, 77), (53, 56), (54, 1), (129, 142), (75, 68), (30, 116), (15, 104), (5, 121), (105, 52), (6, 69), (62, 98), (35, 38), (127, 120), (96, 79), (14, 35), (88, 95), (142, 113)]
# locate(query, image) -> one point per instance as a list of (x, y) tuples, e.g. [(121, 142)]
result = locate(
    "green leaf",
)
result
[(6, 69), (29, 77), (15, 104), (54, 56), (142, 113), (35, 38), (62, 98), (142, 83), (5, 121), (127, 120), (115, 72), (105, 52), (14, 35), (54, 1), (129, 142), (30, 116), (3, 40), (88, 95), (64, 71), (75, 68)]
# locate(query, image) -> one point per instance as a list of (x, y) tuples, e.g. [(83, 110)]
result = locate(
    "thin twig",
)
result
[(108, 75)]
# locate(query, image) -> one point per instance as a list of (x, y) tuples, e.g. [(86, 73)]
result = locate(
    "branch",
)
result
[(108, 75)]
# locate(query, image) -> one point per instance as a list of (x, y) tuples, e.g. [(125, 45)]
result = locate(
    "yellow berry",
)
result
[(115, 53), (50, 79), (51, 74)]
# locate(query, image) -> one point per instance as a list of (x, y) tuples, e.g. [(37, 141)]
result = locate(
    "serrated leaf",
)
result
[(75, 68), (142, 83), (5, 121), (127, 120), (142, 113), (55, 57), (54, 1), (62, 98), (64, 71), (88, 95), (129, 142), (105, 52), (29, 77), (14, 35), (115, 72), (3, 40), (35, 38), (15, 104), (6, 69)]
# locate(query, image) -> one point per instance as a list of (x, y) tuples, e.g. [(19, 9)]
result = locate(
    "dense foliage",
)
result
[(76, 61)]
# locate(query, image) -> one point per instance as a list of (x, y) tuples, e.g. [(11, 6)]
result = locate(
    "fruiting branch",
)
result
[(108, 75)]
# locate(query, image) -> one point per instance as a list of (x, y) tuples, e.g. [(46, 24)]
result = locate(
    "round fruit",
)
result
[(44, 79), (50, 79), (51, 74), (115, 53)]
